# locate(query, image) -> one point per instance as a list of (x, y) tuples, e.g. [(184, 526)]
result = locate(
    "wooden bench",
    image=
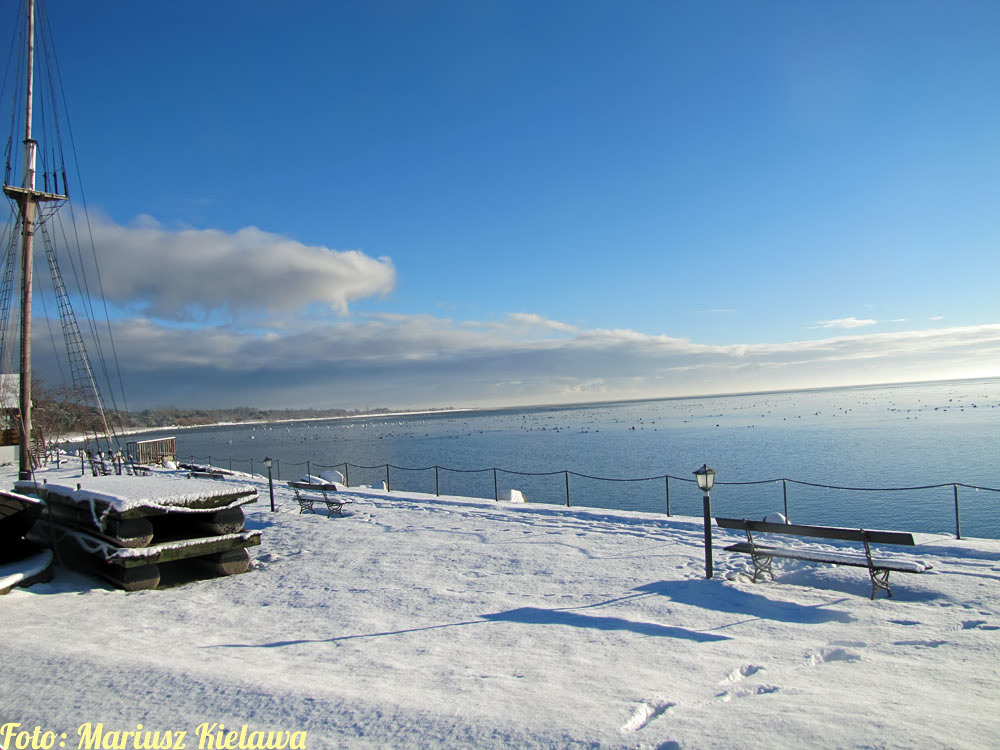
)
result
[(307, 493), (878, 567)]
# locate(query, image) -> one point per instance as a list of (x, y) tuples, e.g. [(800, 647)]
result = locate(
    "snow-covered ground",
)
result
[(417, 621)]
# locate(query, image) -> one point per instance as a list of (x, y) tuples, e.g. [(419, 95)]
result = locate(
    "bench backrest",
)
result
[(313, 486), (820, 532)]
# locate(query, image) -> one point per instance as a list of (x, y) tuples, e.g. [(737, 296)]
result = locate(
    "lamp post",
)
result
[(706, 479), (270, 481)]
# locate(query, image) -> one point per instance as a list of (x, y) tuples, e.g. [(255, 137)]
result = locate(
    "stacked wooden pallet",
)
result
[(137, 532)]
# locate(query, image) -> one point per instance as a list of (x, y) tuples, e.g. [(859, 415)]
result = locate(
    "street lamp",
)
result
[(706, 480), (270, 481)]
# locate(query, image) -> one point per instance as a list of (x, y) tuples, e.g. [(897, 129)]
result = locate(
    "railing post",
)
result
[(958, 516), (309, 471), (437, 483), (496, 490), (230, 464), (347, 479), (567, 488), (668, 495), (784, 492), (387, 487), (277, 468), (251, 467)]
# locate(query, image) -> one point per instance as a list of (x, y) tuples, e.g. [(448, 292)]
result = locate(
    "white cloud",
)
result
[(195, 274), (226, 282), (414, 361), (530, 320), (846, 323)]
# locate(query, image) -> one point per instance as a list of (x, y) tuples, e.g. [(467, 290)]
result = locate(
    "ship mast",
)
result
[(27, 199)]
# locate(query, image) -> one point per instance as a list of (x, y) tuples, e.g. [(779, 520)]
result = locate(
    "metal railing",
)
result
[(384, 473)]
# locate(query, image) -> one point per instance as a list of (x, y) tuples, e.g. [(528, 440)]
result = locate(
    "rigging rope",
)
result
[(48, 128)]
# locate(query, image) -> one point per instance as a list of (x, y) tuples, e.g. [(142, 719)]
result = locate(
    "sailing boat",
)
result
[(33, 207), (123, 530), (18, 513)]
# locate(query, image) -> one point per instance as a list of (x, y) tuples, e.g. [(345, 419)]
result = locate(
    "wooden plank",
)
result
[(324, 488), (123, 532), (162, 553), (101, 549), (831, 558), (819, 532)]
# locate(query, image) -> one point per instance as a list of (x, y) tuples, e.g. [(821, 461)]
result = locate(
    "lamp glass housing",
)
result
[(705, 477), (267, 463)]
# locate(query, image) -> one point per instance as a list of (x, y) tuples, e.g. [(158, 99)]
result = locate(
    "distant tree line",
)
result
[(169, 416), (60, 411)]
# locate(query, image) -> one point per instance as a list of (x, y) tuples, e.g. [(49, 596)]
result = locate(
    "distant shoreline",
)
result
[(526, 407), (289, 420)]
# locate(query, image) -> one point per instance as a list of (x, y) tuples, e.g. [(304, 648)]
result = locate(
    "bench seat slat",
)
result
[(833, 558)]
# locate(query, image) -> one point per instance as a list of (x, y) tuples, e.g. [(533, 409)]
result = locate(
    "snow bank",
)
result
[(418, 621)]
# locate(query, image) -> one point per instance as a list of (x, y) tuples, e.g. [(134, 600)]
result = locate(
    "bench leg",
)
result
[(880, 580), (305, 503), (761, 564), (879, 576)]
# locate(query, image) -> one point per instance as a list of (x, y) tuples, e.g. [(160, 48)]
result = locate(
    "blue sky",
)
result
[(410, 204)]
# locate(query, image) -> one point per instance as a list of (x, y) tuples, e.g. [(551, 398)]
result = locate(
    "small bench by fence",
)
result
[(878, 567), (308, 493)]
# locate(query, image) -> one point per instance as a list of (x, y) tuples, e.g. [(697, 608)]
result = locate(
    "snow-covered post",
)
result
[(706, 479)]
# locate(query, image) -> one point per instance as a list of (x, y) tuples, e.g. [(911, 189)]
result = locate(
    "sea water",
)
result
[(641, 455)]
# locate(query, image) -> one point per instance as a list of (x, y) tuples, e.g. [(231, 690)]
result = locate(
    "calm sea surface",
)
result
[(873, 437)]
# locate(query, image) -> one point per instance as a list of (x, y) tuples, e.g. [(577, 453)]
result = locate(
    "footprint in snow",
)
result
[(644, 713), (741, 673), (744, 692), (822, 656)]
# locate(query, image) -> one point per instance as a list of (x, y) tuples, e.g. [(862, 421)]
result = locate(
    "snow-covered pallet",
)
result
[(878, 567), (125, 528), (139, 568)]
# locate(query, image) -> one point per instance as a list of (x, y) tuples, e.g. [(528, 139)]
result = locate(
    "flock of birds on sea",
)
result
[(740, 411)]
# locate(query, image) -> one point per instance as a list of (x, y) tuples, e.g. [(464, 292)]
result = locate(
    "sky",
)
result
[(380, 203)]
